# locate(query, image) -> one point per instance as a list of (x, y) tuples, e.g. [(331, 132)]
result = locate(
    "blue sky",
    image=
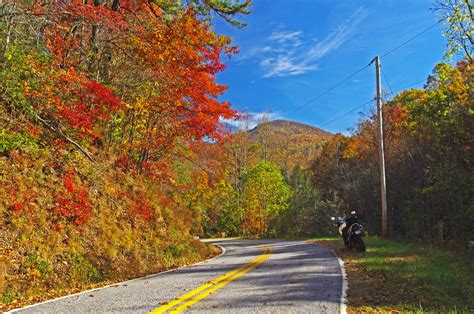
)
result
[(293, 50)]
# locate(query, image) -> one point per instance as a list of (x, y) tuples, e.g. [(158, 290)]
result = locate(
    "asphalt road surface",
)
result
[(252, 276)]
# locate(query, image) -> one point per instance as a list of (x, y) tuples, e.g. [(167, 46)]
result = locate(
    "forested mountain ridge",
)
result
[(281, 126), (288, 143)]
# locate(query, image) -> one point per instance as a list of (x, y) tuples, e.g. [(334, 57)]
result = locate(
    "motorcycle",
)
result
[(352, 235)]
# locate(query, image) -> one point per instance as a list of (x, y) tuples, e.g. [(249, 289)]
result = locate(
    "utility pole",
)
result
[(383, 188)]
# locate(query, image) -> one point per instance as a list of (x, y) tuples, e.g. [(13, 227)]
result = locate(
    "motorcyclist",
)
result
[(349, 220)]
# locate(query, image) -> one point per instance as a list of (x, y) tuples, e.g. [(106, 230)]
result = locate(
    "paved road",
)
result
[(253, 276)]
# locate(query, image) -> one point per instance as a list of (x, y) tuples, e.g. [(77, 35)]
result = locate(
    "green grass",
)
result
[(395, 275), (447, 279)]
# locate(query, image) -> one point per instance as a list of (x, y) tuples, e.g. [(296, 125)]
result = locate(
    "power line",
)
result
[(411, 38), (368, 102), (328, 90), (410, 85), (331, 88), (347, 113), (386, 81)]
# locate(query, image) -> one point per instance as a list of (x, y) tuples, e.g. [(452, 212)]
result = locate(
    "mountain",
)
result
[(288, 143), (289, 127)]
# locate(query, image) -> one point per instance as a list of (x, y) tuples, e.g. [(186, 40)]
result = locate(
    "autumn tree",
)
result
[(458, 17), (266, 196)]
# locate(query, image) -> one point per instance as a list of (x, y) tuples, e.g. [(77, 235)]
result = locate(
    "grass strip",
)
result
[(394, 276)]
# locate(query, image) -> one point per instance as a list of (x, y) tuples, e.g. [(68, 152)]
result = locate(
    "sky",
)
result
[(294, 50)]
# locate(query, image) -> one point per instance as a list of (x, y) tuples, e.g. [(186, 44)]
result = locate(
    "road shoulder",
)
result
[(106, 284)]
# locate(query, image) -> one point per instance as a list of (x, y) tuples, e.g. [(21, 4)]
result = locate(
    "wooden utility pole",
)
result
[(383, 188)]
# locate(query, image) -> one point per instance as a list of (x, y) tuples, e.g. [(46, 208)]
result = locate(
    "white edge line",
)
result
[(120, 283), (343, 301)]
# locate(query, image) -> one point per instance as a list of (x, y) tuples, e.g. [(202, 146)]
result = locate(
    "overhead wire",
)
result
[(337, 84), (366, 103), (410, 85), (386, 81), (347, 113), (411, 38), (328, 90)]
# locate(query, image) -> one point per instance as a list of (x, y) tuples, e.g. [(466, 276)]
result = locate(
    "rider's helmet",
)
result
[(352, 213)]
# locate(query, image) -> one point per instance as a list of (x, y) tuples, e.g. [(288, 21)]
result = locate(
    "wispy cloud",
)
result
[(292, 53), (335, 39), (252, 119), (285, 65), (286, 36)]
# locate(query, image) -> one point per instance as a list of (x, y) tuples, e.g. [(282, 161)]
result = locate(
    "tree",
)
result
[(154, 89), (226, 9), (266, 196), (458, 17), (308, 214)]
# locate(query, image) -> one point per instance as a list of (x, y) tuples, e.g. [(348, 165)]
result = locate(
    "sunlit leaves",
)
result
[(266, 196)]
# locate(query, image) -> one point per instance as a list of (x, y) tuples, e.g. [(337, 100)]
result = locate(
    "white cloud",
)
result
[(288, 54), (285, 65), (252, 119), (253, 52), (335, 39), (286, 36)]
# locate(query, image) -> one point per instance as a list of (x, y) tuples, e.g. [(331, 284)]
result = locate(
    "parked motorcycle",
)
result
[(351, 232)]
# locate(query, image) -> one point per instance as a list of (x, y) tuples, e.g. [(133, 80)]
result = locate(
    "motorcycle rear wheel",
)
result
[(359, 244)]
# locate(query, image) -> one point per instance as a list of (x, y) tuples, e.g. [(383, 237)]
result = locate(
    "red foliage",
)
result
[(165, 202), (74, 204), (17, 206), (193, 54), (396, 114), (122, 162), (180, 56), (21, 200), (143, 209), (65, 16), (88, 103)]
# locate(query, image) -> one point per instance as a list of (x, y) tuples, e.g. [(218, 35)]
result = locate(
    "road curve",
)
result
[(252, 276)]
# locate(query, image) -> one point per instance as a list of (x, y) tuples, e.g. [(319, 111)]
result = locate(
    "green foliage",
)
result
[(458, 17), (227, 9), (8, 296), (228, 218), (308, 214), (42, 266), (15, 70), (16, 141), (266, 196), (84, 271)]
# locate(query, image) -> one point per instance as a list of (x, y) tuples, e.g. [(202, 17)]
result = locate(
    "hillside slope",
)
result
[(288, 143), (67, 224), (289, 127)]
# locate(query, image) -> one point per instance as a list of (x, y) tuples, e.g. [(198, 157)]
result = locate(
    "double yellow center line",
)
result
[(186, 300)]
